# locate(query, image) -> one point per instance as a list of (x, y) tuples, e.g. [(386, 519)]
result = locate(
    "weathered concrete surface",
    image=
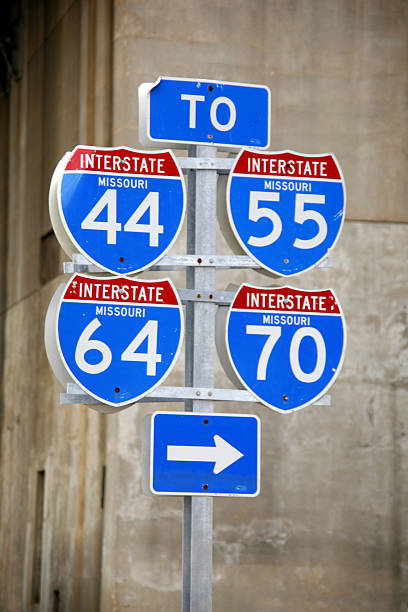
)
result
[(329, 529), (337, 73), (67, 445)]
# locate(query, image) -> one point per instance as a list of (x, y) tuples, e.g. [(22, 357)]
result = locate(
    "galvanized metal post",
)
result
[(199, 372)]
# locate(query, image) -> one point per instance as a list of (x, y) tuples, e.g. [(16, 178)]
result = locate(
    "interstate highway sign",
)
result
[(117, 338), (201, 111), (285, 345), (121, 208), (201, 454), (286, 209)]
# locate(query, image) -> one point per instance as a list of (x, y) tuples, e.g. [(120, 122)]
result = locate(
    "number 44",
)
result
[(111, 226)]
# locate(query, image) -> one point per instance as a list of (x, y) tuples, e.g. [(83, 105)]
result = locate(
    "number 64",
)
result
[(85, 344)]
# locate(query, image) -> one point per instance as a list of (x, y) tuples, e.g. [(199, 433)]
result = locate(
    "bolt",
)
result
[(117, 389), (285, 398), (210, 394), (121, 259), (211, 260), (210, 136), (205, 487), (198, 393), (210, 88), (199, 260), (286, 261), (198, 295), (206, 421), (211, 296)]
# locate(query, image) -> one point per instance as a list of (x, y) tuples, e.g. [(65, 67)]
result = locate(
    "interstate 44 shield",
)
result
[(286, 209), (121, 208), (285, 345), (117, 338)]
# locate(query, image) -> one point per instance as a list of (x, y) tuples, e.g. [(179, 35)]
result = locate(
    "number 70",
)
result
[(274, 333)]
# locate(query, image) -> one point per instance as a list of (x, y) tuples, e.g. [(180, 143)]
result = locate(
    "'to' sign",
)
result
[(200, 111), (116, 337), (285, 345), (286, 209), (121, 208)]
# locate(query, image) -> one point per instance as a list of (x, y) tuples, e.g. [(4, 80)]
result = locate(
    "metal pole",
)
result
[(199, 372)]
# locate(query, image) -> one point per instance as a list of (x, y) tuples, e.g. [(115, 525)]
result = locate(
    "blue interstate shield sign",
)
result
[(204, 454), (206, 112), (122, 208), (286, 209), (119, 338), (286, 345)]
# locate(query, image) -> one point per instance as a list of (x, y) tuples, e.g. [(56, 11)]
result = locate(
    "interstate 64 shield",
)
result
[(286, 209), (116, 337), (121, 208), (285, 345)]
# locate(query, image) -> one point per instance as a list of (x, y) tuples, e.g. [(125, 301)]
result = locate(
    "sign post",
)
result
[(115, 338), (199, 372)]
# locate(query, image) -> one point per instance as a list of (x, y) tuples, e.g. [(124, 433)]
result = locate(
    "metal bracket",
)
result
[(76, 395), (216, 297), (223, 165), (82, 265)]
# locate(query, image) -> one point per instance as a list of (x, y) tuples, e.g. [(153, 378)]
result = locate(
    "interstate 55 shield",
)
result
[(117, 338), (285, 345), (121, 208), (286, 209)]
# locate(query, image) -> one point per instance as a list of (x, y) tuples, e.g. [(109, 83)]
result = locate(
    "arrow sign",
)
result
[(201, 454), (223, 454)]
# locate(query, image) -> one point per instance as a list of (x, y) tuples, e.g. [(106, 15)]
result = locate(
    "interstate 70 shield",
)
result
[(285, 345), (116, 337), (120, 207), (286, 209)]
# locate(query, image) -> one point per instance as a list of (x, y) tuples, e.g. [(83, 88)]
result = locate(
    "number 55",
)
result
[(301, 215)]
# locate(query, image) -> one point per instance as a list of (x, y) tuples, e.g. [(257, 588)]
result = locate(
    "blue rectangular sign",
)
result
[(196, 111), (202, 454)]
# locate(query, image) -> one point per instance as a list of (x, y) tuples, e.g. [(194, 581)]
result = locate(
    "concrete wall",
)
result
[(329, 529)]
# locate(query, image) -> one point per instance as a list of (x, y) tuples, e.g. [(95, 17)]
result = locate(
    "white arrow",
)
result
[(223, 454)]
